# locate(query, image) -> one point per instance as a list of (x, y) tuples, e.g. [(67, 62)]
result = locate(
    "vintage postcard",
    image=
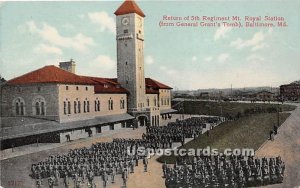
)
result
[(150, 94)]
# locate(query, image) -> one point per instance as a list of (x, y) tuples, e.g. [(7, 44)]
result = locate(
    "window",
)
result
[(75, 107), (65, 107), (122, 104), (126, 63), (39, 88), (39, 106), (162, 101), (126, 31), (69, 107), (77, 88), (22, 108), (67, 87), (110, 104), (79, 106), (86, 88), (88, 106), (84, 106), (148, 102), (97, 105), (154, 101), (17, 109), (126, 81)]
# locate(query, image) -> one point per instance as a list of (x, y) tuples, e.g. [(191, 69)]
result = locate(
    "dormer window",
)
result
[(105, 86)]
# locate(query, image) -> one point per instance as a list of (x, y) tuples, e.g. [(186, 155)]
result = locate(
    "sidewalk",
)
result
[(34, 148)]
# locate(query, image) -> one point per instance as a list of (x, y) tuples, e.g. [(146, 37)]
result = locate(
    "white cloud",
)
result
[(194, 59), (47, 49), (223, 57), (101, 66), (257, 38), (221, 32), (208, 59), (79, 42), (104, 20), (260, 46), (149, 60)]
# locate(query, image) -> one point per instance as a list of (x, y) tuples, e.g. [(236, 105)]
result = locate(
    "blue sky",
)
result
[(35, 34)]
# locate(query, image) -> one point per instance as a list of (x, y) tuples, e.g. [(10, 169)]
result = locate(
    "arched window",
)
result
[(65, 107), (148, 102), (110, 104), (98, 105), (75, 107), (122, 103), (154, 101), (69, 107), (96, 109), (88, 106), (19, 106), (39, 106), (84, 106), (79, 106)]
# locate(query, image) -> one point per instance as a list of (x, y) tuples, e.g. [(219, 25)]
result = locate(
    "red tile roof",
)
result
[(107, 85), (128, 7), (151, 91), (53, 74), (150, 83), (50, 74)]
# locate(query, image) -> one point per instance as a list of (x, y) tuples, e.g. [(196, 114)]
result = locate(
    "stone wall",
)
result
[(29, 94)]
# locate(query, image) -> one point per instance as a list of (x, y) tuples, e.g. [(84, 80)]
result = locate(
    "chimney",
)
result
[(68, 66)]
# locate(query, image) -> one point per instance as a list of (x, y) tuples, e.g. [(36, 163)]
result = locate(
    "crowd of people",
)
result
[(164, 136), (80, 167), (221, 171)]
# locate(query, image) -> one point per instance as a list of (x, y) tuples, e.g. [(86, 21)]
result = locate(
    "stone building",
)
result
[(53, 103)]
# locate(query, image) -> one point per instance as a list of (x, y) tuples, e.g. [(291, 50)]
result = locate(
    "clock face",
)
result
[(125, 21)]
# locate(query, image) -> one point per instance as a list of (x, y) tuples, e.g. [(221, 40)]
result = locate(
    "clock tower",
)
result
[(130, 53)]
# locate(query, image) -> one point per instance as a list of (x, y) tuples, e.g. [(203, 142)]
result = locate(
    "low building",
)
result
[(54, 104)]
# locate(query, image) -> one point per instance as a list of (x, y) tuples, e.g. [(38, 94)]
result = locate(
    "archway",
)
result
[(142, 120)]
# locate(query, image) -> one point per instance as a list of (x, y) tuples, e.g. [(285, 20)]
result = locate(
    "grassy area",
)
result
[(225, 108), (246, 132)]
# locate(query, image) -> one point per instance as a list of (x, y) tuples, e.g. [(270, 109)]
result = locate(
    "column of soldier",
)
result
[(80, 166), (221, 171), (164, 136)]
